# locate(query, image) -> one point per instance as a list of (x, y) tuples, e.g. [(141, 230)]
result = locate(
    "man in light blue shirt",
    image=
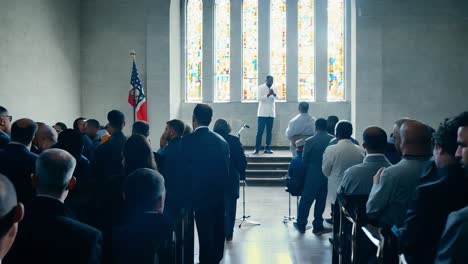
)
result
[(301, 126)]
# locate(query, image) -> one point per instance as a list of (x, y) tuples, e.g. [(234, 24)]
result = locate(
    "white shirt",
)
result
[(266, 104), (336, 159), (301, 125)]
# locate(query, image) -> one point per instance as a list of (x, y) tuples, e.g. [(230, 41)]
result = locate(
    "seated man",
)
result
[(435, 200), (394, 186), (143, 238), (5, 127), (452, 246), (359, 178), (300, 127), (315, 185), (17, 162), (48, 234), (338, 158), (11, 212), (45, 138)]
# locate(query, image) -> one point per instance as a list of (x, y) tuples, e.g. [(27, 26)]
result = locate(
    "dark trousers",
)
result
[(210, 227), (230, 215), (319, 194), (262, 123)]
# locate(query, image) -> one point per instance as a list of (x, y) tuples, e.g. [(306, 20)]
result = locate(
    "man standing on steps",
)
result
[(265, 113)]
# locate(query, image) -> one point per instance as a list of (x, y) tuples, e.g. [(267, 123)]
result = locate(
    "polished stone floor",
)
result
[(273, 241)]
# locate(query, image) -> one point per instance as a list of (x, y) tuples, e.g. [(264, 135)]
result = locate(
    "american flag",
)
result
[(136, 95)]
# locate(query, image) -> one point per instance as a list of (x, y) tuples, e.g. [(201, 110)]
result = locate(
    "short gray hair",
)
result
[(54, 169), (7, 196)]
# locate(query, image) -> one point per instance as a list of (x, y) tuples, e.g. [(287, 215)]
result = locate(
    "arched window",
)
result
[(223, 50), (278, 46), (194, 54), (335, 50), (306, 53), (250, 50)]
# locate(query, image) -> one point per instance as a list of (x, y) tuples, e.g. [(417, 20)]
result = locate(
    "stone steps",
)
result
[(268, 169)]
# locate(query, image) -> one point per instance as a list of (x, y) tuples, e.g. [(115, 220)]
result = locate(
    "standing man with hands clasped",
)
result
[(265, 113)]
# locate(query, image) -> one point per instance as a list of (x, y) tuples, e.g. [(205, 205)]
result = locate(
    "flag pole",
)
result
[(133, 55)]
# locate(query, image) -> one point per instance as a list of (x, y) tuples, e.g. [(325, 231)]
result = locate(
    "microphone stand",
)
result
[(244, 218)]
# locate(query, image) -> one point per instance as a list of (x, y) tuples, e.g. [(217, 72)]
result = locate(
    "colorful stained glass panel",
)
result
[(335, 50), (278, 46), (250, 50), (306, 54), (223, 50), (194, 36)]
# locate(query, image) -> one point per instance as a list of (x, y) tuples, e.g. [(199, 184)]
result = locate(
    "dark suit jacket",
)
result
[(176, 182), (237, 166), (426, 217), (107, 171), (206, 163), (139, 241), (4, 139), (312, 158), (81, 199), (48, 235), (18, 163)]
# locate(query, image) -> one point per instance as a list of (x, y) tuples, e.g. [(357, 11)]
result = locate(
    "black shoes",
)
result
[(301, 229), (321, 231), (329, 220)]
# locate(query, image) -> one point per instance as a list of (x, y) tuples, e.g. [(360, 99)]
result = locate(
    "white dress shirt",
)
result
[(336, 159), (266, 104)]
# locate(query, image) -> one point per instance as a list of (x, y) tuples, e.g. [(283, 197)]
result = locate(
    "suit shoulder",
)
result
[(81, 229)]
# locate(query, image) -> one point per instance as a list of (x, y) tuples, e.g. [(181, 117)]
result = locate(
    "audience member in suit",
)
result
[(144, 238), (452, 246), (301, 126), (59, 127), (11, 212), (315, 185), (17, 162), (206, 164), (359, 178), (331, 124), (391, 152), (338, 158), (5, 127), (92, 128), (434, 201), (237, 167), (393, 187), (80, 125), (107, 167), (82, 198), (169, 166), (45, 138), (141, 128), (48, 234)]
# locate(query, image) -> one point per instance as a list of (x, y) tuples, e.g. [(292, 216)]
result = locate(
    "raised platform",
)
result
[(267, 169)]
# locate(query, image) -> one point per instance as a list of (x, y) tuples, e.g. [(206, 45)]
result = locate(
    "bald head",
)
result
[(45, 137), (375, 140), (54, 169), (10, 214), (415, 138), (396, 132), (23, 131)]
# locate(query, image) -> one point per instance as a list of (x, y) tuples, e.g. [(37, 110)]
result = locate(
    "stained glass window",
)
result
[(250, 49), (335, 50), (278, 46), (194, 29), (223, 50), (306, 54)]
